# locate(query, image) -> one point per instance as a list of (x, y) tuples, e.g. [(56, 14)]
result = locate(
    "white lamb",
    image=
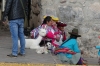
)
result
[(42, 50), (34, 43)]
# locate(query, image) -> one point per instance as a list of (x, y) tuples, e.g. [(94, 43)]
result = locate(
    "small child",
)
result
[(61, 26), (98, 47)]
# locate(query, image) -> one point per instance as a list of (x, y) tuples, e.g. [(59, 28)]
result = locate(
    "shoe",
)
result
[(10, 55), (21, 54)]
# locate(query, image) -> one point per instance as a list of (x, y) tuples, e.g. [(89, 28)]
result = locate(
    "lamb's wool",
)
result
[(42, 50), (34, 43)]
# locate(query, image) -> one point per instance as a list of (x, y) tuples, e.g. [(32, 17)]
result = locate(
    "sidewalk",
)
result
[(31, 55)]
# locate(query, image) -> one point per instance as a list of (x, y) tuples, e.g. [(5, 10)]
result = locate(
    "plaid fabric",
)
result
[(64, 50), (34, 32)]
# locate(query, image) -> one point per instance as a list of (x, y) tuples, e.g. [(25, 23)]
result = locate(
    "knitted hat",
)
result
[(61, 24)]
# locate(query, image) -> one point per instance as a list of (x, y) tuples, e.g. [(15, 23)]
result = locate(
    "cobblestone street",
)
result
[(31, 55)]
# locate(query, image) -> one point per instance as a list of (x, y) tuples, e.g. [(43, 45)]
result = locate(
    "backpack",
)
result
[(35, 32)]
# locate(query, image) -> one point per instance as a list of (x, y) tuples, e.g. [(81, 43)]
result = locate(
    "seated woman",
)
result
[(47, 24), (53, 34), (69, 51)]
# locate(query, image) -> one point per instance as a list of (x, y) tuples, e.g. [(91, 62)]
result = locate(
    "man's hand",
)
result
[(4, 20), (5, 23)]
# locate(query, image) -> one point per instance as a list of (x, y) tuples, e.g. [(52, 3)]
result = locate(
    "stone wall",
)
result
[(82, 14), (35, 19)]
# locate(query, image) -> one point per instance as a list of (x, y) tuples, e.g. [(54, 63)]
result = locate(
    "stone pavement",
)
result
[(31, 55)]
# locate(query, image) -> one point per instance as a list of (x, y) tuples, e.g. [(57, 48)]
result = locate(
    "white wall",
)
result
[(3, 4)]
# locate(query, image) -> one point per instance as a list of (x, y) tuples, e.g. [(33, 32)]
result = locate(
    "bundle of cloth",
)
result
[(64, 50)]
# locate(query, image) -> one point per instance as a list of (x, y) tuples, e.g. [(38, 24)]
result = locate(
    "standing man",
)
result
[(14, 10)]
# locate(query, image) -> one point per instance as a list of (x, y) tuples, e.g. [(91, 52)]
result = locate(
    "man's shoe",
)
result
[(21, 54), (10, 55)]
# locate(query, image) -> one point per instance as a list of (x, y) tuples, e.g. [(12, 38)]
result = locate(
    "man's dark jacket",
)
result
[(14, 9)]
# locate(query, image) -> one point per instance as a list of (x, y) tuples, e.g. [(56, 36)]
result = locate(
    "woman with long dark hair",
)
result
[(47, 22)]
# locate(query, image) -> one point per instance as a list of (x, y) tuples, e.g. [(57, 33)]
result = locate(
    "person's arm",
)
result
[(7, 9), (26, 8), (64, 36), (76, 48), (97, 47)]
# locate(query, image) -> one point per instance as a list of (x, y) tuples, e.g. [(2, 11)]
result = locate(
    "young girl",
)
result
[(61, 26)]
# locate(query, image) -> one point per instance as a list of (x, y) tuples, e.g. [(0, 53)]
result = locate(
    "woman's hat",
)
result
[(61, 24), (75, 32), (53, 18), (44, 17)]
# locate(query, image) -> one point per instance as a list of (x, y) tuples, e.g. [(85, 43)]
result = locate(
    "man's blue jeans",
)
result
[(17, 31)]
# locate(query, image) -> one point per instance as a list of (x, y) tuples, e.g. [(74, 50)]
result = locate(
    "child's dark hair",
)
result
[(48, 18)]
